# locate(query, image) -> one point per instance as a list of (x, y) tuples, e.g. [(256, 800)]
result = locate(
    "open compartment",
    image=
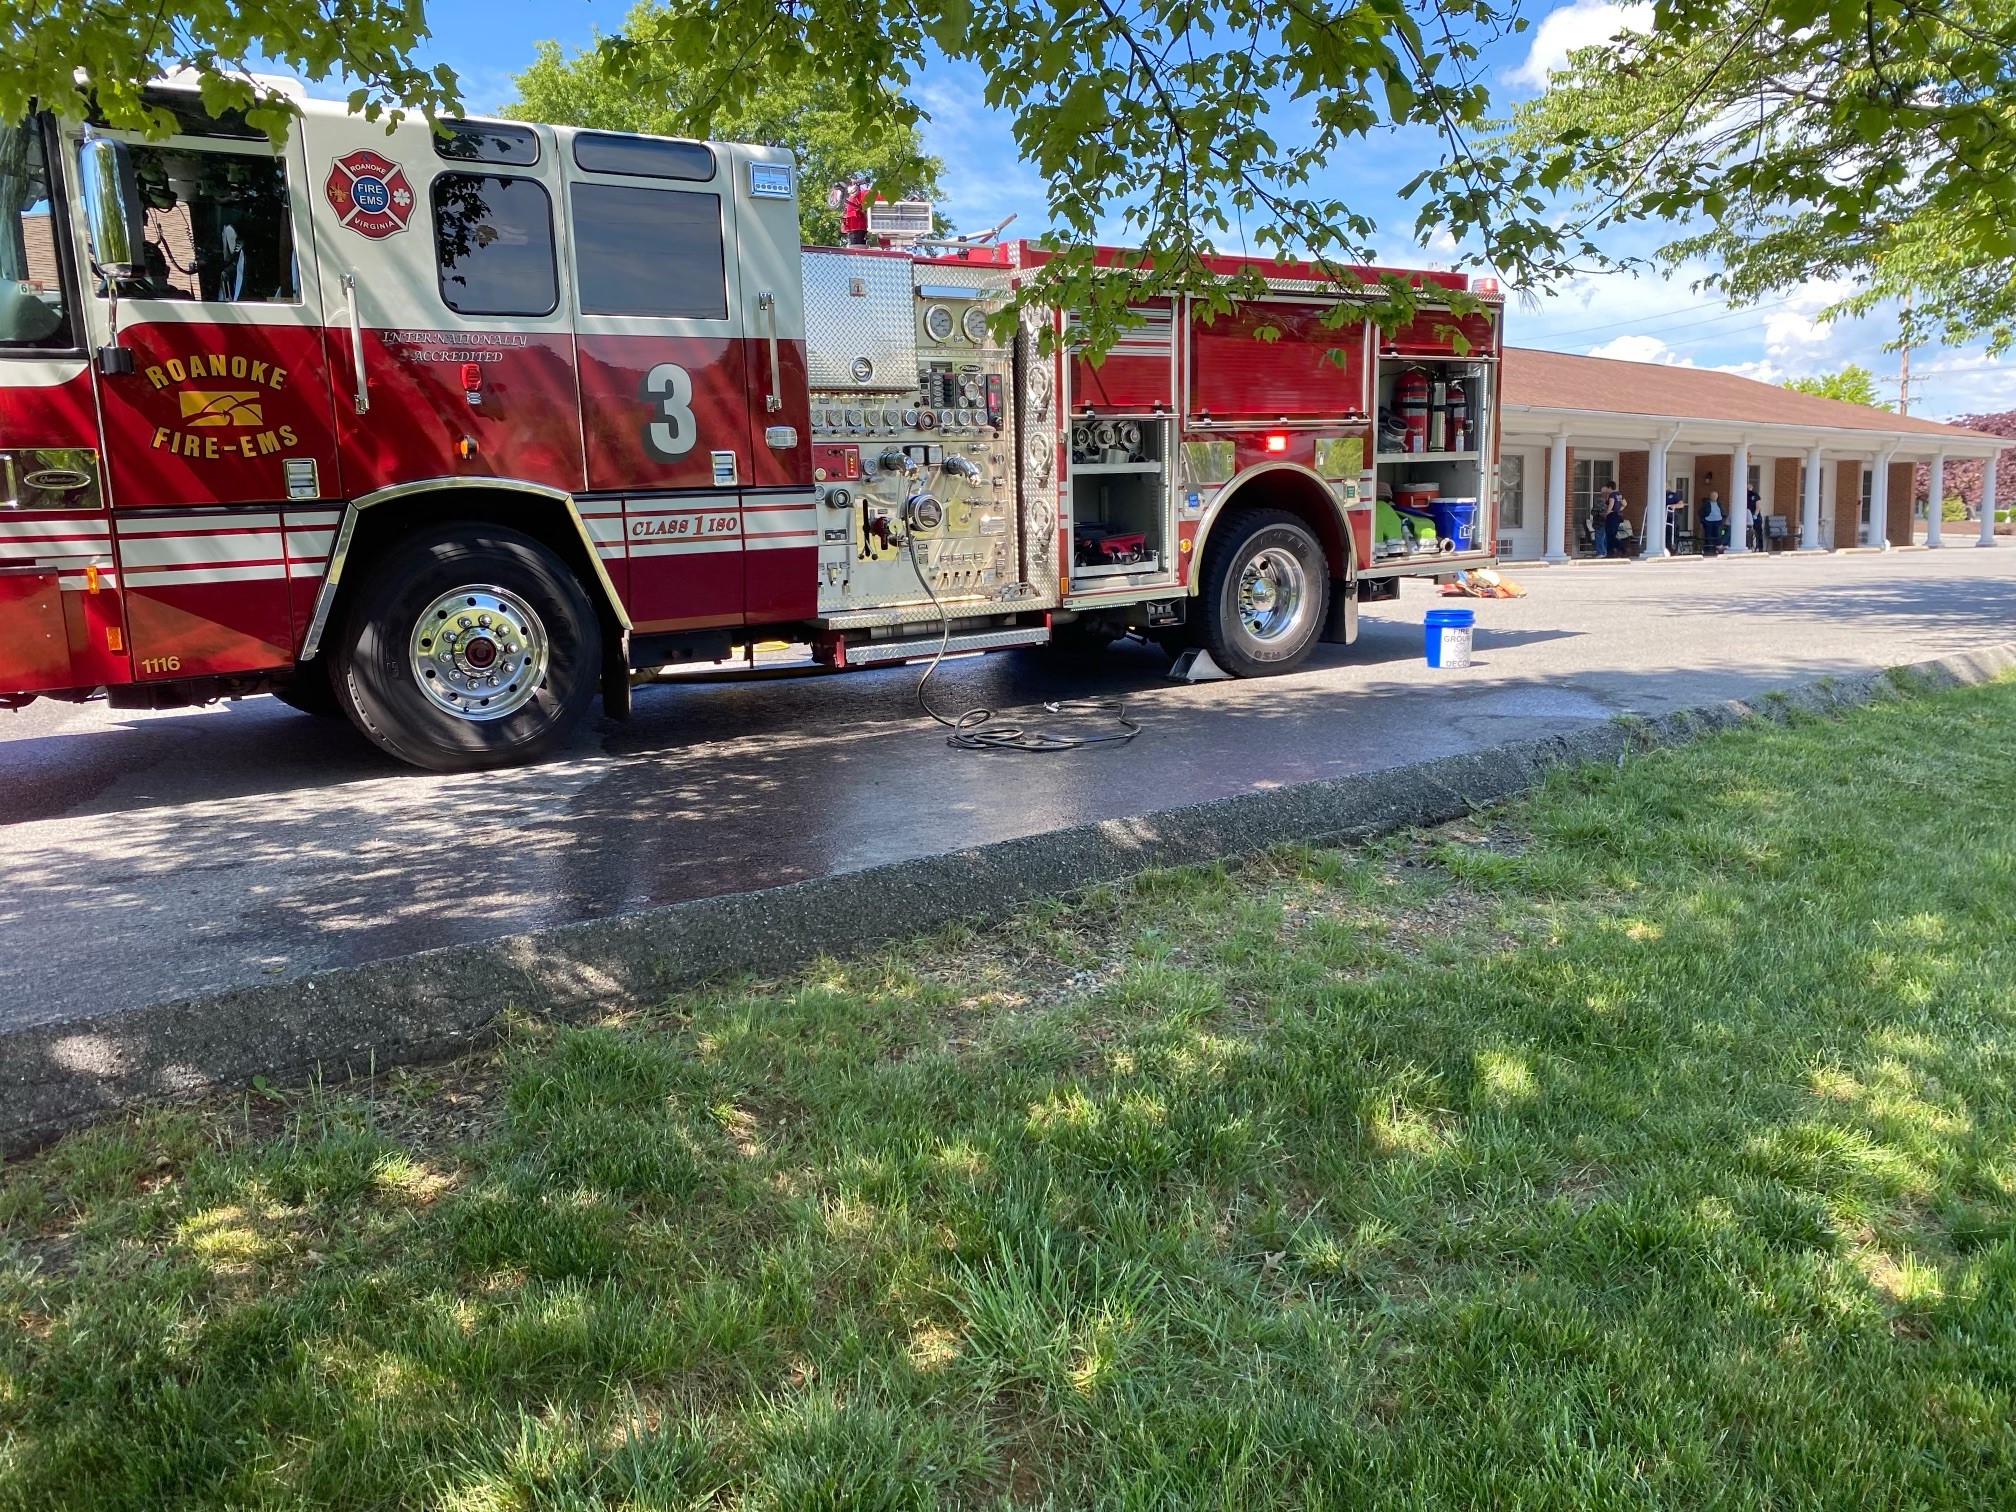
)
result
[(1432, 465), (1119, 496)]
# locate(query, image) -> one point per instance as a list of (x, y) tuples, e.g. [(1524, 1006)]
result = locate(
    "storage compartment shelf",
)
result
[(1462, 456), (1147, 567), (1109, 468)]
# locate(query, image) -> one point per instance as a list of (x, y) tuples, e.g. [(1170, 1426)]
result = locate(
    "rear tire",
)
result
[(470, 646), (1265, 593)]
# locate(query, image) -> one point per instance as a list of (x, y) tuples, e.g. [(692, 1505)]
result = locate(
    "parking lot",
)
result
[(151, 857)]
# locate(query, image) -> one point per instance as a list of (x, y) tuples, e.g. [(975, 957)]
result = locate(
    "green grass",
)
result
[(1649, 1143)]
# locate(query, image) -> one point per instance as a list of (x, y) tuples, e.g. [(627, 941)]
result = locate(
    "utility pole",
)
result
[(1904, 362)]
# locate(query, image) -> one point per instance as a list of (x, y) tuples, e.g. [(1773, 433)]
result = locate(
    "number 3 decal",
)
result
[(671, 436)]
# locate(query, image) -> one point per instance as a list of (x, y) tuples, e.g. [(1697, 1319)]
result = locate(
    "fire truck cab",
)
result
[(449, 430)]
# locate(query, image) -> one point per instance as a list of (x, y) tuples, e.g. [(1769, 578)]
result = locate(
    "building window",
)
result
[(1512, 493), (655, 252), (218, 228), (493, 242)]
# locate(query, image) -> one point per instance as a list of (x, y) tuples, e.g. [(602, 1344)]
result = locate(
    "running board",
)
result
[(867, 653)]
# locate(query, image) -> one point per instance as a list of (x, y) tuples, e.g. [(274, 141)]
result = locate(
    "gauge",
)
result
[(891, 418), (974, 324), (927, 419), (910, 418), (855, 419), (938, 322)]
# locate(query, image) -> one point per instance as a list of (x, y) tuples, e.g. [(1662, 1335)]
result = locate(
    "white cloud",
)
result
[(1583, 23), (1633, 348)]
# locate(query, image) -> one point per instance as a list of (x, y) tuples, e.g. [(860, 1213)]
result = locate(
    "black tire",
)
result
[(311, 691), (384, 675), (1246, 537)]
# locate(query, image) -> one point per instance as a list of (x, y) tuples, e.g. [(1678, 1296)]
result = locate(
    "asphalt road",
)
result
[(149, 857)]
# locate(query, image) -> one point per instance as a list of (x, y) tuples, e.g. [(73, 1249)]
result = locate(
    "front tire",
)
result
[(1265, 593), (470, 646)]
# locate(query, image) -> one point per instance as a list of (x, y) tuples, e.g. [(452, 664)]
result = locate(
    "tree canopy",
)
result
[(103, 56), (834, 139), (1180, 127), (1854, 384), (1872, 141)]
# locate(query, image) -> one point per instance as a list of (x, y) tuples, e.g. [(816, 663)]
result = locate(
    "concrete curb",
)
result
[(344, 1023)]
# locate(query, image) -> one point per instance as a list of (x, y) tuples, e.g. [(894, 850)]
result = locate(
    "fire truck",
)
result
[(449, 430)]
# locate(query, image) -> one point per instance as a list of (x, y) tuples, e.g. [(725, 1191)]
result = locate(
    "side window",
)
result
[(649, 252), (33, 313), (218, 228), (493, 243), (486, 142)]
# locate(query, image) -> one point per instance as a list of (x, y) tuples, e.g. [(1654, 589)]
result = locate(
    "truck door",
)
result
[(225, 420), (59, 603), (780, 523), (441, 261), (665, 377)]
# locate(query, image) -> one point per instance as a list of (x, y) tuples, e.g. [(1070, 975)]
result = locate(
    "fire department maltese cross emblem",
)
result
[(369, 194)]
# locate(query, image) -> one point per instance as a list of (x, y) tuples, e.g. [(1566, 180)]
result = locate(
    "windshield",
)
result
[(33, 315)]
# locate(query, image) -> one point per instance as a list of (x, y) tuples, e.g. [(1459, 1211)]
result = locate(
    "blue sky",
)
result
[(1638, 317)]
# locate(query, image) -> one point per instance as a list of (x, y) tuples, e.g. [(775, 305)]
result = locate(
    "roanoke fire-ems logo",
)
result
[(221, 400), (369, 194)]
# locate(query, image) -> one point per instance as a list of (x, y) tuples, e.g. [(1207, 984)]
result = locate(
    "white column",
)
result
[(1557, 499), (1879, 502), (1935, 502), (1655, 498), (1736, 508), (1988, 499), (1809, 507)]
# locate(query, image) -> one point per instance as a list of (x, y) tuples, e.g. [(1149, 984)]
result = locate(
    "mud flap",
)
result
[(615, 673), (1340, 627)]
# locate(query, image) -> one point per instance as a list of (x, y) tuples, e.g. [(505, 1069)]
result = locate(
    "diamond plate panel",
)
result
[(858, 308)]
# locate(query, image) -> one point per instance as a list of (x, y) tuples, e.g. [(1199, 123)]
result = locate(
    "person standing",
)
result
[(1753, 517), (1711, 524), (1613, 520), (1676, 501)]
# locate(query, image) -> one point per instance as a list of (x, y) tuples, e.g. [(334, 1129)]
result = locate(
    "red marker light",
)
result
[(1276, 442), (472, 376)]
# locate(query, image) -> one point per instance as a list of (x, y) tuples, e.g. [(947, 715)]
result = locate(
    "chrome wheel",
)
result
[(479, 652), (1273, 595)]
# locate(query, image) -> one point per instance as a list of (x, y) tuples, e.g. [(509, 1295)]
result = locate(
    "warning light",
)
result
[(1487, 286), (1276, 442), (472, 376)]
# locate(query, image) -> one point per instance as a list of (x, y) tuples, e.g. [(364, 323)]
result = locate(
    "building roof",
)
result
[(1606, 385)]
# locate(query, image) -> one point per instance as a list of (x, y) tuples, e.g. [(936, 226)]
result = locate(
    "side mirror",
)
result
[(111, 207)]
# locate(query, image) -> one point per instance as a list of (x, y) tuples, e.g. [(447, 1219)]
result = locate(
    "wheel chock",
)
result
[(1196, 665)]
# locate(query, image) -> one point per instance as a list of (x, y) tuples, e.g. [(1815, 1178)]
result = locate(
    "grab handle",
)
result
[(362, 398), (774, 400)]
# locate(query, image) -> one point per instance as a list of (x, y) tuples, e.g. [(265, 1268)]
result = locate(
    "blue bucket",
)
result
[(1455, 522), (1447, 632)]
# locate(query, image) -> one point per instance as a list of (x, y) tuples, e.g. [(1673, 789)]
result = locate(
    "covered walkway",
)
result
[(1828, 476)]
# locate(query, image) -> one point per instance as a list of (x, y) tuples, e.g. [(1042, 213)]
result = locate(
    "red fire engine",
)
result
[(448, 432)]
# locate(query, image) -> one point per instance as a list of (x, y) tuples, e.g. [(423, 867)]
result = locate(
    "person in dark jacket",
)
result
[(1613, 518)]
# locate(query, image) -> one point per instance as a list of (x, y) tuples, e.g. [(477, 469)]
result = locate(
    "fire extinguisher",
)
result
[(1410, 397), (1459, 416)]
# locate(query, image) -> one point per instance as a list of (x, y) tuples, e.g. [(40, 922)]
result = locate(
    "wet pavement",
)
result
[(149, 857)]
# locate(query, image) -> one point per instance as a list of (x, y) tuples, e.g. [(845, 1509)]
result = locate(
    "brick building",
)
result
[(1824, 468)]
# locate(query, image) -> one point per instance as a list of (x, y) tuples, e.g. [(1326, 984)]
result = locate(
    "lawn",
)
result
[(1651, 1142)]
